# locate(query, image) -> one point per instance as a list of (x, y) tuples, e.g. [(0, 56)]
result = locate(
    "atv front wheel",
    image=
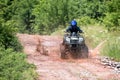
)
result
[(84, 51), (62, 51)]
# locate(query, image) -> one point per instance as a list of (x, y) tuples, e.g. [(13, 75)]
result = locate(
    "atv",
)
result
[(74, 46)]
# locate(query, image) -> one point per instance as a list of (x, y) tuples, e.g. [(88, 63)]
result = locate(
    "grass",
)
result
[(94, 35), (112, 48), (59, 32)]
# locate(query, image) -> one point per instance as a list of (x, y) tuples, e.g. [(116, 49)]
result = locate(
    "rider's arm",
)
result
[(68, 29), (80, 31)]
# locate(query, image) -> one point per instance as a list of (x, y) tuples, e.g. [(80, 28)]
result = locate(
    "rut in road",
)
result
[(44, 52)]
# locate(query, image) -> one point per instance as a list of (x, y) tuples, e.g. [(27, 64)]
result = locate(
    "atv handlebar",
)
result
[(77, 32)]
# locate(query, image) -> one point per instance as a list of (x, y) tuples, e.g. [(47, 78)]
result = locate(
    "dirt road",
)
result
[(43, 51)]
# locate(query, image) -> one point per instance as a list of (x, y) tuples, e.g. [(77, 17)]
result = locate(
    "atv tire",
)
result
[(75, 53), (64, 51), (84, 51)]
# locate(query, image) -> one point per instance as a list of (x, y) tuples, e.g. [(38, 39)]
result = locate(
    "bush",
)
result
[(86, 20), (7, 36), (112, 21), (13, 66)]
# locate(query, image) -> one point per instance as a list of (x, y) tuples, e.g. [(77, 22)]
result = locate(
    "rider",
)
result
[(73, 27)]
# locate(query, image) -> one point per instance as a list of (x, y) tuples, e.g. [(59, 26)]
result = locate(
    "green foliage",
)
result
[(7, 28), (13, 66), (112, 21), (49, 14), (20, 12), (45, 16), (112, 48), (112, 18), (23, 15), (86, 20), (7, 36)]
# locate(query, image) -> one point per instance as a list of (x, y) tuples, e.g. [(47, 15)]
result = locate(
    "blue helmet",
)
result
[(73, 23)]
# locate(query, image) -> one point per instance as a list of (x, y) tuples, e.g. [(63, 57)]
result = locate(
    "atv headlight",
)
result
[(67, 39), (81, 39)]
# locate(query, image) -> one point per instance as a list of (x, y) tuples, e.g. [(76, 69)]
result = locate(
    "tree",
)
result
[(112, 18), (23, 15), (7, 30), (49, 14)]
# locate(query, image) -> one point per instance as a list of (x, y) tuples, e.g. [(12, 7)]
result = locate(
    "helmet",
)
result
[(73, 23)]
